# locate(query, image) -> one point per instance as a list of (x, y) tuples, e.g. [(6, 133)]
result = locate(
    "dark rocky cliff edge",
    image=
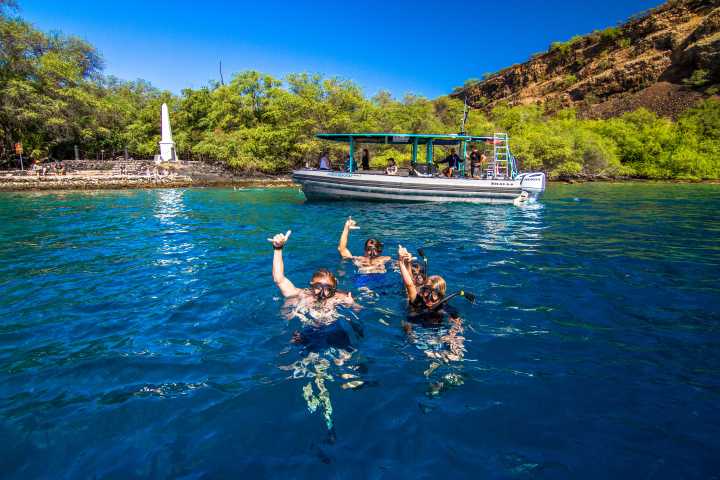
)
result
[(665, 60)]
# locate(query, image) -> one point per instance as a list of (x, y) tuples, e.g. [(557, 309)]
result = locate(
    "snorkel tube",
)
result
[(421, 252), (470, 297)]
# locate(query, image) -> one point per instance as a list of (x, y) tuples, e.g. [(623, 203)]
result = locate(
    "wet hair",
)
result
[(373, 242), (437, 283), (324, 274)]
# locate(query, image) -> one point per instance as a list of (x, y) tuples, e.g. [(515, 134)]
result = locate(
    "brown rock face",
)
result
[(664, 60)]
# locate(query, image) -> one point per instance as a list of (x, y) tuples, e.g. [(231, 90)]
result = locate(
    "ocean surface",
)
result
[(141, 336)]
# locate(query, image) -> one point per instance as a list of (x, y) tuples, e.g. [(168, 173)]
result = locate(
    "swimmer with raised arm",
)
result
[(372, 261), (427, 307), (321, 298), (423, 292)]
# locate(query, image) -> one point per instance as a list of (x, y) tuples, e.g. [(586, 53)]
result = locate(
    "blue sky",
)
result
[(423, 47)]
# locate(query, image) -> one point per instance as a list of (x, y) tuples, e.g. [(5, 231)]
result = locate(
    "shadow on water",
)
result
[(141, 335)]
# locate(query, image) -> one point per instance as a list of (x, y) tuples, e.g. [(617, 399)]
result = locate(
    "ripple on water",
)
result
[(141, 336)]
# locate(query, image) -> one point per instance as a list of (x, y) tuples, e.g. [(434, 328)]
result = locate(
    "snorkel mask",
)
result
[(419, 275), (373, 248), (322, 290), (430, 296)]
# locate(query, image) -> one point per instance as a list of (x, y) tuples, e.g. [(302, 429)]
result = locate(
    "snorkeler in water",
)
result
[(321, 298), (372, 261), (423, 292), (324, 343), (441, 340)]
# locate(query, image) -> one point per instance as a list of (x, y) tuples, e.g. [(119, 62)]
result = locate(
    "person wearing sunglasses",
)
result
[(373, 261), (321, 297)]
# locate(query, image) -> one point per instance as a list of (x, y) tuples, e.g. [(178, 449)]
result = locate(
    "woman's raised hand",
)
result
[(351, 224), (280, 239), (403, 254)]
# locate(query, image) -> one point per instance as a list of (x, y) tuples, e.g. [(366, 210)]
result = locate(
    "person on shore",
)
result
[(372, 261), (453, 161), (320, 299), (325, 162), (475, 162), (365, 159), (392, 168)]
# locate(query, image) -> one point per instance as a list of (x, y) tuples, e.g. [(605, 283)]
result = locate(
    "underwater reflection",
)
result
[(173, 219), (443, 344), (325, 345)]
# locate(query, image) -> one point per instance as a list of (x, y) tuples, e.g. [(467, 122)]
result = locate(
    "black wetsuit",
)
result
[(366, 162), (418, 313), (474, 163)]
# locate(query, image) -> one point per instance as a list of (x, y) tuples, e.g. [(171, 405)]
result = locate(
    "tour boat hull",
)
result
[(321, 185)]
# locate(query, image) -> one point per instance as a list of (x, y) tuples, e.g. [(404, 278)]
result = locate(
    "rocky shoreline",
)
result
[(135, 174), (85, 182)]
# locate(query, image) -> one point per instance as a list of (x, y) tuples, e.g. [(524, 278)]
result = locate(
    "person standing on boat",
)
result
[(365, 159), (372, 261), (475, 162), (453, 161)]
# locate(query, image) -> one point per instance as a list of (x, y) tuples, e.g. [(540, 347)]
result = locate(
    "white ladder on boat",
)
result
[(499, 166)]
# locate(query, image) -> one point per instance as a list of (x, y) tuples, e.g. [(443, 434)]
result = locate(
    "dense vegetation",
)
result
[(53, 95)]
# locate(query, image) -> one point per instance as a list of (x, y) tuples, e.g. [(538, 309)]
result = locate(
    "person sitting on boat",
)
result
[(372, 261), (350, 163), (453, 161), (325, 162), (321, 299), (392, 167), (365, 159)]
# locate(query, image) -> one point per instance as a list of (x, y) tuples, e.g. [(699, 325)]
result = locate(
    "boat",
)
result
[(499, 183)]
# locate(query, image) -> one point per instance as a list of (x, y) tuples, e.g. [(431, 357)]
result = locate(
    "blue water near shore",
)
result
[(141, 336)]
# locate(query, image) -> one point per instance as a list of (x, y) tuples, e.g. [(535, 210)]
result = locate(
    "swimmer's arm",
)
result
[(349, 301), (342, 246), (278, 271), (408, 281)]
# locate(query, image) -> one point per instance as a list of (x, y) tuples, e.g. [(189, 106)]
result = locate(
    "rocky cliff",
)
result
[(664, 60)]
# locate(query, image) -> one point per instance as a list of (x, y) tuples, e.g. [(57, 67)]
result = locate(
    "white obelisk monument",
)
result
[(167, 146)]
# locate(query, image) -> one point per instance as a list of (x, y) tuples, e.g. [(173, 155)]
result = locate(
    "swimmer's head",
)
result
[(373, 247), (433, 291), (419, 275), (323, 284)]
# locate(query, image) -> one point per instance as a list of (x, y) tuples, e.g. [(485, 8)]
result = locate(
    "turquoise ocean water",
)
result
[(141, 336)]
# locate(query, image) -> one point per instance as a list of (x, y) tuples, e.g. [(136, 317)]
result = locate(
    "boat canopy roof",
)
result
[(392, 138)]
